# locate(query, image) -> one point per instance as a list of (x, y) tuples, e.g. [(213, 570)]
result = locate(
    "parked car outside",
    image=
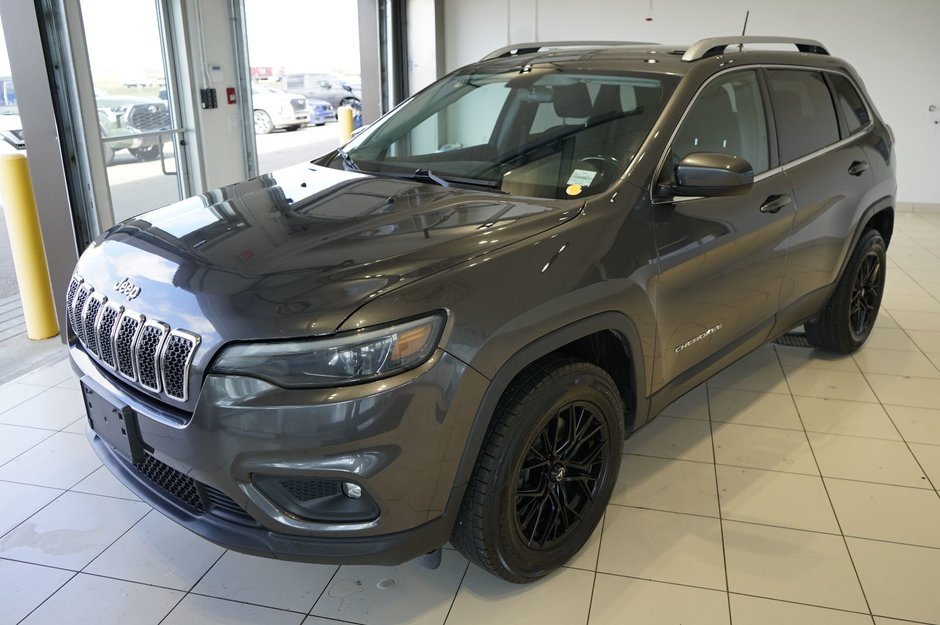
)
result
[(273, 108), (321, 112), (126, 116), (11, 131), (320, 87), (444, 329)]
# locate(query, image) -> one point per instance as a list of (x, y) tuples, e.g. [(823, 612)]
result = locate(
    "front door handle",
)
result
[(774, 203), (857, 168)]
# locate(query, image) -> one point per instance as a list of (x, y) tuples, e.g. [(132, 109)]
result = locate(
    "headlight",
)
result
[(346, 359)]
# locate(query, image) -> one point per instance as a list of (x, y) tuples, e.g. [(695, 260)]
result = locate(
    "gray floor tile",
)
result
[(91, 600), (199, 610), (60, 461), (14, 440), (25, 586), (623, 600), (21, 501), (103, 482), (72, 530), (52, 409)]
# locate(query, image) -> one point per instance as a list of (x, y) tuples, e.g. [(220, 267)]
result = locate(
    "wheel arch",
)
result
[(609, 340)]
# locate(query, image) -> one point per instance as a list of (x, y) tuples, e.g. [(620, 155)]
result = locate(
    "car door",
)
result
[(721, 259), (828, 170)]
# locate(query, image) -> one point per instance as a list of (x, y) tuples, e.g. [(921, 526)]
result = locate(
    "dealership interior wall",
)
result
[(793, 487)]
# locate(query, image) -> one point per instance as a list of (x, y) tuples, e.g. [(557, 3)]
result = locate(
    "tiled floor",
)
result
[(794, 487)]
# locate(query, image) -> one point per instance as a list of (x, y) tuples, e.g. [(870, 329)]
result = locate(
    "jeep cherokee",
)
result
[(445, 329)]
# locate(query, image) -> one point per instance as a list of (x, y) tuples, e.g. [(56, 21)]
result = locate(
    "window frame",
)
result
[(844, 132)]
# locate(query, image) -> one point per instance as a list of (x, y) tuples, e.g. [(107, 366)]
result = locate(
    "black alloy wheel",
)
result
[(560, 475), (849, 316), (866, 295), (545, 471)]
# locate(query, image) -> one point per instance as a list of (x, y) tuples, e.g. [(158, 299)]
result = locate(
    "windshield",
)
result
[(540, 130)]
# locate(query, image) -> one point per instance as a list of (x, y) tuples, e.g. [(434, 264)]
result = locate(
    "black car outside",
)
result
[(444, 330)]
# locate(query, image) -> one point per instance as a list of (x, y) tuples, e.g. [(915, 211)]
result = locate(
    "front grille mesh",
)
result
[(143, 350), (153, 116), (172, 481), (308, 490)]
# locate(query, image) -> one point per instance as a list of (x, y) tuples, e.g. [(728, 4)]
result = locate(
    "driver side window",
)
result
[(727, 117)]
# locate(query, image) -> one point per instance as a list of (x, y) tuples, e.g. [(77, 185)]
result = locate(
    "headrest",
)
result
[(572, 100)]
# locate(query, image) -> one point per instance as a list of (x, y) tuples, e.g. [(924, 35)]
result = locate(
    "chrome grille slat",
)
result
[(124, 341), (81, 298), (89, 321), (147, 352), (175, 360), (144, 351), (107, 322)]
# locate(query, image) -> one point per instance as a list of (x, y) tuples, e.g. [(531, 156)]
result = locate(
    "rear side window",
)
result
[(806, 118), (848, 99)]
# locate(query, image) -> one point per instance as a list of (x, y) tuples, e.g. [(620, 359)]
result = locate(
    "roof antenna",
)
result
[(744, 30)]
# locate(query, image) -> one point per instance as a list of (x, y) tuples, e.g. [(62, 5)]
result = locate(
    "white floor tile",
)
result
[(199, 610), (267, 582), (79, 426), (867, 459), (900, 581), (757, 611), (14, 440), (849, 385), (50, 375), (917, 425), (21, 501), (692, 405), (774, 498), (663, 546), (15, 393), (899, 391), (25, 586), (620, 600), (889, 338), (893, 513), (405, 594), (51, 409), (926, 340), (848, 418), (666, 437), (60, 461), (91, 600), (803, 358), (158, 551), (791, 565), (103, 482), (929, 458), (893, 362), (561, 598), (747, 376), (664, 484), (72, 530), (751, 408), (763, 448)]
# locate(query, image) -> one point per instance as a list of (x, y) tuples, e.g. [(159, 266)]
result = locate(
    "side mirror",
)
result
[(712, 174)]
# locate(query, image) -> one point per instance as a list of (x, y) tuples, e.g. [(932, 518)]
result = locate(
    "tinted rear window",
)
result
[(848, 99), (803, 109)]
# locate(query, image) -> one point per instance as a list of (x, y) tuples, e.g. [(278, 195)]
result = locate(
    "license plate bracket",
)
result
[(115, 422)]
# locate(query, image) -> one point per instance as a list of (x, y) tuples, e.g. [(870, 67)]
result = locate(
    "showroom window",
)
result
[(727, 117), (803, 109)]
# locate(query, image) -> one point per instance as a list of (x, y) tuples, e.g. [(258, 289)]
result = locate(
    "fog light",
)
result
[(353, 491)]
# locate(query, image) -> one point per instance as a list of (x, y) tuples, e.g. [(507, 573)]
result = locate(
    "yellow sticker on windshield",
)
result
[(573, 189)]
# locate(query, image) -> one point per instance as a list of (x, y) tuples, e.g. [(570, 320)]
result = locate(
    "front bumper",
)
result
[(400, 439)]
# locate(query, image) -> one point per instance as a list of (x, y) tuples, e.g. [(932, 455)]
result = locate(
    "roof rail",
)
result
[(528, 48), (717, 45)]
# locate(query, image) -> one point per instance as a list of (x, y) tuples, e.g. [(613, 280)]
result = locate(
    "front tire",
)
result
[(545, 472), (849, 316), (147, 153), (263, 123)]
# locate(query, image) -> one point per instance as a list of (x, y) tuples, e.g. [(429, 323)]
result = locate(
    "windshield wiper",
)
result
[(348, 163), (429, 177)]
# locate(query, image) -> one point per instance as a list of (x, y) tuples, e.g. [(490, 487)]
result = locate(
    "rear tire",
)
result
[(849, 316), (545, 472)]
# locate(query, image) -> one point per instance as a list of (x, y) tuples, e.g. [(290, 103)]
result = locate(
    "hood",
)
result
[(295, 252)]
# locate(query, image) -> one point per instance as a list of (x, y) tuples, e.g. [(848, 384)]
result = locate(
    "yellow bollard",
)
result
[(29, 256), (345, 119)]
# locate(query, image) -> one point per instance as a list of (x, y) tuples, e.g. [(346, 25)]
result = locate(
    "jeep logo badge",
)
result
[(127, 288)]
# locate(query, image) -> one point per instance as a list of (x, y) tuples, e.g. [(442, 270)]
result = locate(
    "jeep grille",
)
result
[(145, 351)]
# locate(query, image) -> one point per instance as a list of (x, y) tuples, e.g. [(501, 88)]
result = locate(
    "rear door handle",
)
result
[(774, 203), (857, 168)]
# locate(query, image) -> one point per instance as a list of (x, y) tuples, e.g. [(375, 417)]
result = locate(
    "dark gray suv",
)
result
[(444, 330)]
